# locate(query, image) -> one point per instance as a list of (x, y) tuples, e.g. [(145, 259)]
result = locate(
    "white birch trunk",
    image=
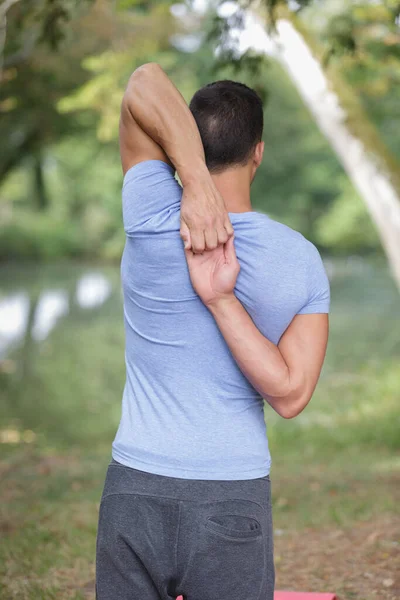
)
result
[(368, 177)]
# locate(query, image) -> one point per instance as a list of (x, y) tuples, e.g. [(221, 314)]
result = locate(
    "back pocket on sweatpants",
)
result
[(228, 558), (234, 526)]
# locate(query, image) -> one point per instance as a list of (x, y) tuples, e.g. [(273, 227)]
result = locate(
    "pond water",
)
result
[(34, 299), (37, 298)]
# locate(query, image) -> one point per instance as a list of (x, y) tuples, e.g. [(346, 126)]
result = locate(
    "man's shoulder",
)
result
[(272, 232)]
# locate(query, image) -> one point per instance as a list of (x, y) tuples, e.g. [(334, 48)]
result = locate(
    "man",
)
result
[(186, 506)]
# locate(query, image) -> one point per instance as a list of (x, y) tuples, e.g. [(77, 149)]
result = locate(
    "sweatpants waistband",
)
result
[(127, 480)]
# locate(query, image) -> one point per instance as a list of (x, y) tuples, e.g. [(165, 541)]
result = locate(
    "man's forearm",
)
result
[(259, 359), (161, 111)]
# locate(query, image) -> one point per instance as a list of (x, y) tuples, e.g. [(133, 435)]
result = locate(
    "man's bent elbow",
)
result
[(289, 409), (139, 85), (290, 412), (145, 71)]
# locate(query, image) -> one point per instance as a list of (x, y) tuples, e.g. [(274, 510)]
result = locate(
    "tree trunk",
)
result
[(371, 179), (27, 350), (42, 199)]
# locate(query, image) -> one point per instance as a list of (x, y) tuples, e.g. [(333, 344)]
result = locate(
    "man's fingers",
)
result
[(211, 238), (189, 256), (185, 235), (230, 253), (222, 235), (228, 226), (198, 241)]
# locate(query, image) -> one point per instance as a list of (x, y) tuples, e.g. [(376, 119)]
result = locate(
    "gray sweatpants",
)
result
[(160, 537)]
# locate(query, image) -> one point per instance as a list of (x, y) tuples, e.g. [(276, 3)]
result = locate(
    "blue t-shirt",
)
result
[(187, 409)]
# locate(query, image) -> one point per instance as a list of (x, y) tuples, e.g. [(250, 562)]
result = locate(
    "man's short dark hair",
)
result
[(229, 116)]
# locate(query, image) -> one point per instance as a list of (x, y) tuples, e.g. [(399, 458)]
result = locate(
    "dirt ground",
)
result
[(360, 563)]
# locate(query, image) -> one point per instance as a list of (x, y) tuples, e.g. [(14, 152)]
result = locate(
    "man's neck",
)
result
[(234, 187)]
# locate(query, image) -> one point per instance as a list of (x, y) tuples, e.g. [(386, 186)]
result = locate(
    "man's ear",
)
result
[(257, 159), (258, 154)]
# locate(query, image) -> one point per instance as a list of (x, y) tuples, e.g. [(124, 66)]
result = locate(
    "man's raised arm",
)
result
[(156, 123)]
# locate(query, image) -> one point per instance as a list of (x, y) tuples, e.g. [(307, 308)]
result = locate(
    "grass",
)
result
[(335, 467)]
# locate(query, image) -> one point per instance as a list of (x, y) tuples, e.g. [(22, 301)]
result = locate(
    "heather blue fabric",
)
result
[(187, 410)]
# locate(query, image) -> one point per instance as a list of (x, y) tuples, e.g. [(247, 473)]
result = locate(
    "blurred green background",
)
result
[(336, 467)]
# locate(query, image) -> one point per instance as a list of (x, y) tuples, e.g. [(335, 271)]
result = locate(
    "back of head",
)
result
[(229, 116)]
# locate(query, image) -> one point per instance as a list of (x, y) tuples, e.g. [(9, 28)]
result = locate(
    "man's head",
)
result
[(229, 116)]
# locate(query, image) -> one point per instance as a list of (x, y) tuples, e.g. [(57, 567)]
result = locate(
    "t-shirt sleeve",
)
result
[(149, 189), (317, 284)]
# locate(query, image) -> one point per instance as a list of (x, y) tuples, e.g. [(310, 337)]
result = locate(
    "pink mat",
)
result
[(296, 596), (302, 596)]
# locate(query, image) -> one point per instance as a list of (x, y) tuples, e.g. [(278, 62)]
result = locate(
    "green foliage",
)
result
[(84, 180), (34, 22), (30, 121), (95, 41), (366, 31), (297, 182), (347, 226), (362, 44), (58, 135), (40, 237), (111, 69)]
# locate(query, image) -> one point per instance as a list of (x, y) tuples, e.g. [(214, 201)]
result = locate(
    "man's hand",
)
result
[(213, 274), (205, 222)]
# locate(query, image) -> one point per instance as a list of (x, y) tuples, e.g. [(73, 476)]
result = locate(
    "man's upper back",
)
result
[(187, 410)]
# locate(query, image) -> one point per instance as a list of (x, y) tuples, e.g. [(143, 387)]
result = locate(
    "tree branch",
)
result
[(4, 7), (7, 4)]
